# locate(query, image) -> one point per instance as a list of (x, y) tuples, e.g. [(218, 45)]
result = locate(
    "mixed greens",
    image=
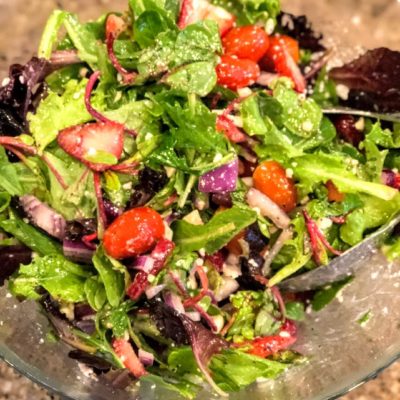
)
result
[(162, 170)]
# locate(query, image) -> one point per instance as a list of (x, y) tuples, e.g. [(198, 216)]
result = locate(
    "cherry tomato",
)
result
[(333, 192), (235, 73), (274, 52), (250, 42), (270, 178), (133, 233), (269, 345)]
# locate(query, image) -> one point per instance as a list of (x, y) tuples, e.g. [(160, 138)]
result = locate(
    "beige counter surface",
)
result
[(385, 387)]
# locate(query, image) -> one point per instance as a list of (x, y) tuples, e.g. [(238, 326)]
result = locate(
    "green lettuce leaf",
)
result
[(374, 213), (249, 12), (57, 112), (63, 279), (319, 168)]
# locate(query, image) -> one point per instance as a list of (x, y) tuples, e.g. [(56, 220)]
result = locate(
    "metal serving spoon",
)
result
[(343, 266), (395, 117)]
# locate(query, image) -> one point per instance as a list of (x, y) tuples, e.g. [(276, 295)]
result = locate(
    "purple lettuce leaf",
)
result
[(11, 257), (22, 86), (373, 80), (299, 28)]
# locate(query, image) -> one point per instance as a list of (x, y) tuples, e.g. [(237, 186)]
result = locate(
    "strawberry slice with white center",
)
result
[(197, 10), (98, 145), (128, 357)]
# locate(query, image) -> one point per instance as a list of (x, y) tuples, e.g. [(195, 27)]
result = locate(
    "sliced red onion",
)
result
[(194, 315), (153, 291), (144, 263), (276, 248), (228, 287), (221, 179), (77, 252), (174, 301), (146, 358), (268, 208), (44, 217)]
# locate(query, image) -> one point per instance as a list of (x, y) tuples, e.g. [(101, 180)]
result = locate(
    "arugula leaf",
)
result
[(137, 115), (172, 49), (9, 178), (233, 369), (60, 277), (301, 117), (255, 315), (293, 255), (58, 112), (113, 279), (384, 137), (325, 295), (85, 38), (30, 236), (216, 233), (170, 386), (149, 25)]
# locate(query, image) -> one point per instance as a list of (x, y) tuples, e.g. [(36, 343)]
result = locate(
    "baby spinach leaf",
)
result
[(216, 233), (95, 293), (113, 279), (199, 78), (233, 369)]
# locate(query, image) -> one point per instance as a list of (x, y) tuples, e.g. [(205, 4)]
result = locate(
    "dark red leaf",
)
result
[(373, 80)]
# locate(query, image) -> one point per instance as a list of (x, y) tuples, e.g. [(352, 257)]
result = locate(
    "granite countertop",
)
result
[(15, 387)]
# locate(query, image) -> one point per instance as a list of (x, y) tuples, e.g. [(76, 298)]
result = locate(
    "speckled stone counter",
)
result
[(385, 387)]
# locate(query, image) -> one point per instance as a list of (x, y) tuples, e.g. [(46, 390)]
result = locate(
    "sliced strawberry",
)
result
[(197, 10), (192, 11), (123, 349), (230, 130), (223, 18), (286, 66), (99, 140)]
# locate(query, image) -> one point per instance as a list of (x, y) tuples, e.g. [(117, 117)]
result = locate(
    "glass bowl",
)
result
[(342, 352)]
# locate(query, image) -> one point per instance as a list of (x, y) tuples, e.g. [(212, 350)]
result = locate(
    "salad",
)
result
[(163, 170)]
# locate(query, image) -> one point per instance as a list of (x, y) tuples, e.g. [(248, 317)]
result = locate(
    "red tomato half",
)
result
[(270, 178), (248, 42), (235, 73), (134, 232)]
